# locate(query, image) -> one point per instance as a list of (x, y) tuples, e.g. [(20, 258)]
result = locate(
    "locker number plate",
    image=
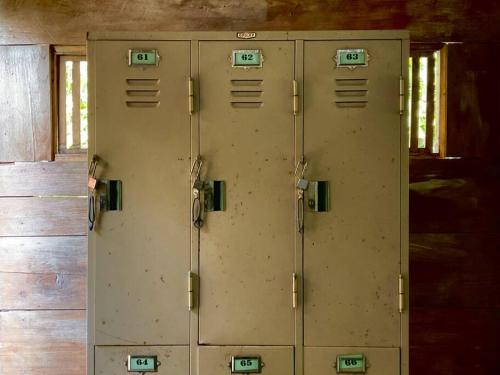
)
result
[(142, 363), (246, 365), (351, 58), (349, 363), (138, 57), (247, 58)]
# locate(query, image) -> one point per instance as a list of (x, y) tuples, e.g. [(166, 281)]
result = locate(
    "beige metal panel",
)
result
[(214, 360), (380, 361), (142, 252), (111, 360), (247, 251), (352, 252), (259, 35)]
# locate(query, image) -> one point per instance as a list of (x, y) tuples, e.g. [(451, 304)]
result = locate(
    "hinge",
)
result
[(190, 96), (295, 290), (190, 291), (401, 95), (401, 293), (295, 98)]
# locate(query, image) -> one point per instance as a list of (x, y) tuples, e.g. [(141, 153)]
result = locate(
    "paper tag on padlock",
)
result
[(92, 183), (302, 184)]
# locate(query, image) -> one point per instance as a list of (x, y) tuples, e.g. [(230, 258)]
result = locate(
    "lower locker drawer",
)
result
[(379, 361), (215, 360), (112, 360)]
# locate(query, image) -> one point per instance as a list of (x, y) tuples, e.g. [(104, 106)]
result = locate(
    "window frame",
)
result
[(418, 50), (60, 55)]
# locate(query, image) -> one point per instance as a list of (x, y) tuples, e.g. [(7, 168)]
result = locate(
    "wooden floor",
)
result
[(454, 262)]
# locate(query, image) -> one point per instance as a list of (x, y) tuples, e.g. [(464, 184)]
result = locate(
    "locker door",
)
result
[(142, 252), (247, 140), (352, 252)]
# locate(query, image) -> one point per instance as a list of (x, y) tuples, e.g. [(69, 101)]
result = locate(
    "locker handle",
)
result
[(190, 96), (295, 291)]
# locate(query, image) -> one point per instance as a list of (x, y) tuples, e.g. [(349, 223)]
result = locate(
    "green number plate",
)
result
[(140, 363), (352, 57), (142, 57), (247, 58), (245, 365), (349, 363)]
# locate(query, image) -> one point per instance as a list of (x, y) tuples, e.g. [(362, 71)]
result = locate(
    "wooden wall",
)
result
[(65, 22), (43, 268), (455, 209)]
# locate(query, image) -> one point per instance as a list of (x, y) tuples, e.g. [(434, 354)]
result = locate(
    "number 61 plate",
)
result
[(351, 363)]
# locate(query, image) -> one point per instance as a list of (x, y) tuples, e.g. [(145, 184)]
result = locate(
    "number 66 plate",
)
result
[(351, 363)]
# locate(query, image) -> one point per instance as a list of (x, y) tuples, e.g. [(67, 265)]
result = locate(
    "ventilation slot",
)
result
[(351, 92), (246, 104), (143, 93), (143, 82), (246, 82), (246, 97), (138, 104)]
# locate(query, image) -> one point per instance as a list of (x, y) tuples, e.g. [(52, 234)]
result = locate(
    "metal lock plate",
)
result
[(351, 363), (215, 196), (246, 365), (111, 198), (318, 196), (142, 363)]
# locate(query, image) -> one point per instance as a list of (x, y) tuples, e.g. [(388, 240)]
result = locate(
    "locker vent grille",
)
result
[(351, 92), (246, 93), (143, 93)]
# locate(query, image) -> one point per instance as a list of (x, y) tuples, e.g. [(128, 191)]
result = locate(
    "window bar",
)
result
[(62, 107), (414, 103), (431, 84), (76, 105)]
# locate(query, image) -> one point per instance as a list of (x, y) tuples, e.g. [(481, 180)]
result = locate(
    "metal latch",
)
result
[(190, 291), (111, 197), (401, 95), (401, 293), (295, 290), (190, 96), (295, 97)]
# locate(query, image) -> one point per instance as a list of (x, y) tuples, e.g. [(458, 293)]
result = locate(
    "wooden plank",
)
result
[(458, 329), (43, 216), (454, 270), (414, 103), (473, 105), (62, 22), (429, 118), (455, 205), (57, 255), (43, 342), (26, 291), (43, 179), (25, 99)]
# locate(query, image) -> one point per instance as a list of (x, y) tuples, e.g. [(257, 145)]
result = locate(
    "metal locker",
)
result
[(140, 255), (216, 360), (352, 252), (247, 140), (113, 360)]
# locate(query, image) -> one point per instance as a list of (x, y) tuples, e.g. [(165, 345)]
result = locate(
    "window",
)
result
[(72, 128), (425, 103)]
